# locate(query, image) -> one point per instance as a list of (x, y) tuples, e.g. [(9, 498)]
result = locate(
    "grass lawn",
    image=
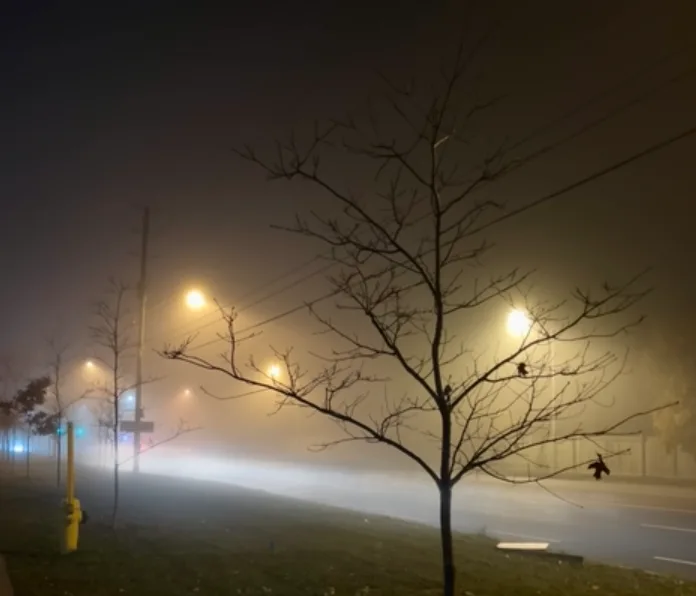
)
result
[(209, 539)]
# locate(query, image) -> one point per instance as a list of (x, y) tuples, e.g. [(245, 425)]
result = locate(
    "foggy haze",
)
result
[(103, 120)]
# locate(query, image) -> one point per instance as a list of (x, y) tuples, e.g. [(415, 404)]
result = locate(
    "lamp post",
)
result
[(195, 300), (519, 324)]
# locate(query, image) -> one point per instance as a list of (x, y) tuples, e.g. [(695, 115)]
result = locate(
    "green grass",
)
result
[(208, 539)]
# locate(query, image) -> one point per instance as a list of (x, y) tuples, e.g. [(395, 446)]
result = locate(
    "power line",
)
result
[(636, 74), (544, 199), (258, 288), (271, 282), (266, 297), (631, 102)]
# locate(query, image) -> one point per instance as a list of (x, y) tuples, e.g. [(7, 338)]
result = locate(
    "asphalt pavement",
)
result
[(642, 526)]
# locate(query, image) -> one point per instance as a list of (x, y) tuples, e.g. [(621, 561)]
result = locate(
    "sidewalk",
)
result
[(5, 586)]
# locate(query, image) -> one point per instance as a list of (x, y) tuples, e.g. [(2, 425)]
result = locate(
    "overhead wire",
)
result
[(271, 282), (255, 290), (593, 99), (615, 111), (523, 161), (255, 303), (545, 198)]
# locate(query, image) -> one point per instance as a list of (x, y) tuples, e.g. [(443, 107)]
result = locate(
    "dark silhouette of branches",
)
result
[(182, 428), (24, 409), (409, 252), (61, 404), (110, 333)]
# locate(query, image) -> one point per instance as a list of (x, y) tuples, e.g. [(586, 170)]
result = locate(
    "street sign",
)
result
[(130, 426)]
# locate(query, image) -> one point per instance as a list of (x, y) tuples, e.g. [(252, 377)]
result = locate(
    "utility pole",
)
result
[(142, 297)]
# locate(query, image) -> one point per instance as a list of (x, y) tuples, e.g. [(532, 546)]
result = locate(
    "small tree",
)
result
[(60, 405), (409, 295), (110, 333), (671, 366), (42, 424), (8, 421), (7, 425), (103, 415), (24, 408)]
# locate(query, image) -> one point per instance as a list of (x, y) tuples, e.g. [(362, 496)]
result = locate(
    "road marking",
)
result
[(653, 507), (678, 561), (523, 536), (673, 528)]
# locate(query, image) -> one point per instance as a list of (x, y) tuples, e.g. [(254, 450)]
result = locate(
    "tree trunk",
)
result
[(116, 486), (13, 440), (59, 451), (28, 454), (448, 572)]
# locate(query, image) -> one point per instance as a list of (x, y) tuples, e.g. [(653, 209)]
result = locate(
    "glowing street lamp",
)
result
[(518, 323), (89, 364), (195, 299), (274, 372)]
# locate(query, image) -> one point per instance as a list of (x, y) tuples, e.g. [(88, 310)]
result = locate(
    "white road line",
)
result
[(653, 507), (678, 561), (673, 528), (523, 536)]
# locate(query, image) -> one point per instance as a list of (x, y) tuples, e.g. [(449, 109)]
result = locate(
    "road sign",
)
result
[(130, 426)]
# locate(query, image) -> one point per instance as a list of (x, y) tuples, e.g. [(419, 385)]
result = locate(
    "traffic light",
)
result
[(79, 431)]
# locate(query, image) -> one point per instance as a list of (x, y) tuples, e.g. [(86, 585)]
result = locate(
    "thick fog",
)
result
[(162, 139)]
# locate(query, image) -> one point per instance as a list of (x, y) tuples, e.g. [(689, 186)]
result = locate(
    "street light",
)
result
[(274, 372), (195, 299), (89, 364), (519, 324)]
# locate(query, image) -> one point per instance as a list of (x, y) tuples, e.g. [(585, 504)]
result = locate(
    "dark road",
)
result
[(648, 527)]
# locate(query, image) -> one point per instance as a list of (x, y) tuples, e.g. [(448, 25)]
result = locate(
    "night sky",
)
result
[(104, 112)]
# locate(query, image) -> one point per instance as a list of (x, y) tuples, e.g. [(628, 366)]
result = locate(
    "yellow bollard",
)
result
[(74, 516)]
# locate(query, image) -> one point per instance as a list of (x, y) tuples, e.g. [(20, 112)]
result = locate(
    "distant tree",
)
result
[(59, 405), (103, 415), (110, 332), (45, 424), (409, 293), (25, 409), (8, 421), (670, 363)]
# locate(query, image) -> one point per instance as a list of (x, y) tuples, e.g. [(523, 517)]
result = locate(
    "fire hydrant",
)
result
[(74, 515), (74, 518)]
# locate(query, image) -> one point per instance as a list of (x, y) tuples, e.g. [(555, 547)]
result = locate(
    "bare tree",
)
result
[(409, 293), (103, 414), (60, 403), (111, 333)]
